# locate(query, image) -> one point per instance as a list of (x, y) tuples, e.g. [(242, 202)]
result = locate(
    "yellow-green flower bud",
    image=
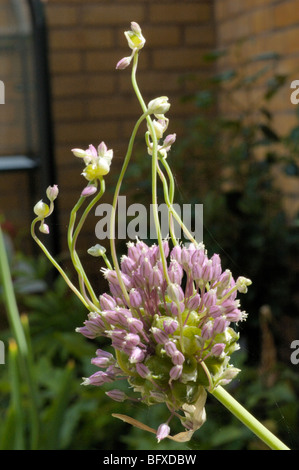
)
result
[(41, 209), (134, 37)]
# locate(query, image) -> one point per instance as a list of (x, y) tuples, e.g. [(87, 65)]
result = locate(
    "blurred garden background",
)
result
[(227, 67)]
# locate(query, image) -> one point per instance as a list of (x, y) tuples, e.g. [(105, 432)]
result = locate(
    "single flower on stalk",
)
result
[(97, 161)]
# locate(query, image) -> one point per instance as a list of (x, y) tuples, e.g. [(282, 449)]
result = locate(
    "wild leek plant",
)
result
[(171, 312)]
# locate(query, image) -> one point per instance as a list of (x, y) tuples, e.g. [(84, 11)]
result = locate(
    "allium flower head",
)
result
[(171, 341)]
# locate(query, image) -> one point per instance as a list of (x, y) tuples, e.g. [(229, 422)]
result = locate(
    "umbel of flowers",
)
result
[(170, 311)]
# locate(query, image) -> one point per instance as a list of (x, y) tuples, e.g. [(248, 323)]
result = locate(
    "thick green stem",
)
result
[(246, 418)]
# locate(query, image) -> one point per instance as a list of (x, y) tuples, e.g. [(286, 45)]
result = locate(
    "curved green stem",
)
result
[(72, 239), (169, 204), (246, 418), (56, 265)]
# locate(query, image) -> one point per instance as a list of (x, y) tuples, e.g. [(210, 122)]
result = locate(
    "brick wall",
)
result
[(91, 100), (251, 27)]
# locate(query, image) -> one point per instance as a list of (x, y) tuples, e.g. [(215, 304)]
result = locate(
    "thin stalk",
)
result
[(246, 418), (116, 194), (171, 208), (56, 265), (19, 335), (16, 398), (154, 169), (72, 239)]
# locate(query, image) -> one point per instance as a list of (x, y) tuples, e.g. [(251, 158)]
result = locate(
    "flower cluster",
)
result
[(97, 161), (136, 42), (171, 340)]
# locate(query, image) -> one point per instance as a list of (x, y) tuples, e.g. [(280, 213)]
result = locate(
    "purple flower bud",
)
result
[(170, 348), (117, 395), (175, 292), (159, 335), (197, 272), (177, 309), (137, 355), (218, 349), (86, 332), (146, 268), (194, 302), (215, 311), (163, 431), (176, 253), (135, 325), (156, 278), (178, 358), (127, 265), (98, 378), (123, 63), (169, 140), (216, 263), (131, 340), (185, 257), (89, 191), (207, 271), (123, 315), (170, 326), (198, 256), (207, 330), (175, 272), (101, 361), (220, 325), (176, 372), (102, 353), (142, 370), (111, 317), (107, 302), (209, 298)]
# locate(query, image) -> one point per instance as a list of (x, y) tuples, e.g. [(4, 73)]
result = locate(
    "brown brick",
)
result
[(200, 35), (115, 106), (162, 36), (65, 62), (76, 134), (153, 81), (61, 15), (179, 58), (112, 14), (82, 85), (81, 39), (185, 12), (70, 109)]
